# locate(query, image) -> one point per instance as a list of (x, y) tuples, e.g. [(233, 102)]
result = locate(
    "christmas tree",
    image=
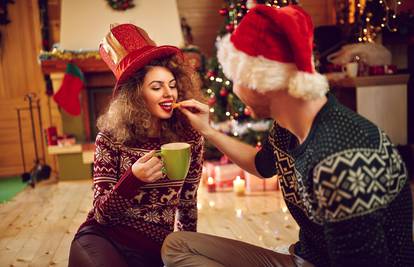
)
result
[(228, 113)]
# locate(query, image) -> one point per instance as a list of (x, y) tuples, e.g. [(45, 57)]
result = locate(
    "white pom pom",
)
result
[(308, 85)]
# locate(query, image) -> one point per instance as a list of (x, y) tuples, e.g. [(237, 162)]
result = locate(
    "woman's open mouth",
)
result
[(167, 106)]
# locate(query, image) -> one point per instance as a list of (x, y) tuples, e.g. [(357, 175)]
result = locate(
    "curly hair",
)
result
[(127, 118)]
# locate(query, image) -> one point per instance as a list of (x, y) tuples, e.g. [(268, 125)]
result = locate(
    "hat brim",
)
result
[(138, 59)]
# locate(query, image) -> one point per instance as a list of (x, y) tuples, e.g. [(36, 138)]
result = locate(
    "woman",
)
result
[(135, 206)]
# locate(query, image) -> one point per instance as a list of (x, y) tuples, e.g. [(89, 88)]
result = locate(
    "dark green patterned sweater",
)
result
[(347, 188)]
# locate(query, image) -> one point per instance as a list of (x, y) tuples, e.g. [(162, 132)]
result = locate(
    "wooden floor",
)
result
[(37, 226)]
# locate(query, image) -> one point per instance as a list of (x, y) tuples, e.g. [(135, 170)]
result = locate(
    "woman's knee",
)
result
[(93, 250), (78, 256)]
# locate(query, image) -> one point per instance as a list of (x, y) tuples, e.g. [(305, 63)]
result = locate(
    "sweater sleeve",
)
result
[(187, 206), (352, 188), (113, 193), (271, 156)]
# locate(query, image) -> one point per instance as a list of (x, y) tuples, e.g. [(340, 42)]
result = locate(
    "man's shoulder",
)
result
[(342, 129)]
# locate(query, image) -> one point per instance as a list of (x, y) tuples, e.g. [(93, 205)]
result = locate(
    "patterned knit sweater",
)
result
[(347, 188), (153, 209)]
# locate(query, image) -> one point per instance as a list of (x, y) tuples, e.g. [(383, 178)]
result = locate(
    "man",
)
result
[(342, 179)]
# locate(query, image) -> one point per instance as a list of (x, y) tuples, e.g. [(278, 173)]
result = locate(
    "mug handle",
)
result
[(158, 154)]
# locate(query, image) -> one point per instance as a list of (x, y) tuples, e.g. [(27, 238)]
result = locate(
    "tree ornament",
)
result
[(247, 111), (224, 11), (230, 27), (210, 74), (223, 92), (212, 101)]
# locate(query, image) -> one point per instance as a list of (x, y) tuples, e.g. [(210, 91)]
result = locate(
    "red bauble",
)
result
[(223, 92), (210, 74), (224, 11), (247, 111), (212, 101), (230, 27)]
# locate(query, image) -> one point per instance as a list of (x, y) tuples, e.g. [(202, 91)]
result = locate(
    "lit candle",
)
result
[(239, 186), (211, 185)]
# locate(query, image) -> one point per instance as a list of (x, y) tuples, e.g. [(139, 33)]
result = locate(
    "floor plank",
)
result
[(37, 226)]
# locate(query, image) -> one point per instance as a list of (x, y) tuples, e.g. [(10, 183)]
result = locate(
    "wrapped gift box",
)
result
[(225, 174), (255, 184), (209, 167)]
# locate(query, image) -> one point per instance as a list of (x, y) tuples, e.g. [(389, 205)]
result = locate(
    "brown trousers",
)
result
[(189, 249), (92, 247)]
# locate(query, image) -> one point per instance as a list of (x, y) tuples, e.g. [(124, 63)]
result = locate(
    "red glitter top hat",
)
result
[(127, 48)]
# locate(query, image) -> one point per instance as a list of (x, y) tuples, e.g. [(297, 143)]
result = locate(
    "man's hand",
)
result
[(240, 153), (198, 115), (148, 168)]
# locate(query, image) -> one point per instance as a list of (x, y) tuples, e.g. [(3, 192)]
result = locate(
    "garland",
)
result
[(120, 4), (68, 54)]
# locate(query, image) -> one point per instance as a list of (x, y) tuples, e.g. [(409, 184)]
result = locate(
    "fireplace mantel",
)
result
[(86, 65)]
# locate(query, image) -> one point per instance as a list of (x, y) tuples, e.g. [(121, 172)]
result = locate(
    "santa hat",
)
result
[(271, 49)]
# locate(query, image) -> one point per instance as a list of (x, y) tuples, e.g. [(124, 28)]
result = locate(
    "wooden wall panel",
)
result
[(321, 11), (204, 20), (20, 74)]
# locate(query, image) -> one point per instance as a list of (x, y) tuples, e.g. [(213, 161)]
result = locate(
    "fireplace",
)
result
[(98, 100), (99, 82)]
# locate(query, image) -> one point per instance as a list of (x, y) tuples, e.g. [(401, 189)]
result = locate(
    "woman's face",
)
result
[(159, 91)]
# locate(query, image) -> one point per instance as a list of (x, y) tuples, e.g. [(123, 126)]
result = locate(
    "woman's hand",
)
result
[(198, 115), (148, 168)]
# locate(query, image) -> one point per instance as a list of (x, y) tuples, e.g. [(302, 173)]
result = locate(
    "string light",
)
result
[(368, 32)]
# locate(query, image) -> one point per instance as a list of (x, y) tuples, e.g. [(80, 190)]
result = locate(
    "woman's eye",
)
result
[(156, 88)]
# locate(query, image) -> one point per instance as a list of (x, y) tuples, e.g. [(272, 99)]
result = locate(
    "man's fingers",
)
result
[(188, 114), (192, 104)]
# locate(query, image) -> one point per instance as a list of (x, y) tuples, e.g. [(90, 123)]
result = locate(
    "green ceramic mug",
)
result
[(176, 158)]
